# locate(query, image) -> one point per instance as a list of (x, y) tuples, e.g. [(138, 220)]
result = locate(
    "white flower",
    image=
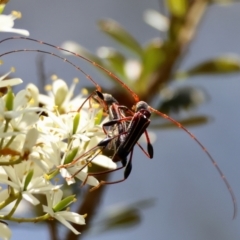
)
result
[(39, 147), (76, 168), (79, 166), (48, 155), (9, 82), (61, 96), (5, 232), (82, 175), (21, 113), (34, 92), (57, 129), (100, 160), (30, 140), (7, 23), (62, 216), (17, 176)]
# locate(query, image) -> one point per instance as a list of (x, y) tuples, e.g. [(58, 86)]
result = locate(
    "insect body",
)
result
[(133, 122), (130, 127), (138, 125), (123, 131)]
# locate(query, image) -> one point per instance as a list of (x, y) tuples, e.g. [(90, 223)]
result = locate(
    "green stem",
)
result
[(10, 141), (8, 216), (10, 199), (34, 220), (177, 50), (19, 160)]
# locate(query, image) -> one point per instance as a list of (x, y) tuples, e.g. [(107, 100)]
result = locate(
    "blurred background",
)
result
[(181, 194)]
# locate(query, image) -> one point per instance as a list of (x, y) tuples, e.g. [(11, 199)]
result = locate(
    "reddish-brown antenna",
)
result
[(134, 95)]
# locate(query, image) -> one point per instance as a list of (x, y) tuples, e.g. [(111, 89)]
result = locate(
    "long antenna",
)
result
[(134, 95)]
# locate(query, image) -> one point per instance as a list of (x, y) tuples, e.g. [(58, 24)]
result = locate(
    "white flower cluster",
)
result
[(39, 143)]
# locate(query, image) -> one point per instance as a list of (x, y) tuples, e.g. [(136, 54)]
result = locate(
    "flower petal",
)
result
[(4, 194), (64, 222), (30, 198), (72, 217), (11, 82), (16, 30), (5, 232), (105, 162), (90, 180)]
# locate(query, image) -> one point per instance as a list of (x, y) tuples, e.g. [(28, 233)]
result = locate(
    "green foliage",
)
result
[(121, 217), (177, 8), (187, 122), (9, 99), (153, 66), (154, 69), (150, 70), (219, 65), (120, 35)]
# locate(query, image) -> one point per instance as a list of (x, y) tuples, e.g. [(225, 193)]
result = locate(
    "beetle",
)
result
[(138, 103)]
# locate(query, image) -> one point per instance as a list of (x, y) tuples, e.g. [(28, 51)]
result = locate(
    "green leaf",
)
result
[(76, 48), (154, 56), (221, 65), (180, 98), (119, 34), (52, 174), (98, 117), (28, 179), (122, 218), (114, 58), (64, 203), (187, 122), (71, 155), (177, 8), (9, 99), (76, 122)]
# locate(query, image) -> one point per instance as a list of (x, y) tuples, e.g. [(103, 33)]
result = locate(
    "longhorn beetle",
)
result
[(129, 130), (126, 138), (135, 97), (125, 132)]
